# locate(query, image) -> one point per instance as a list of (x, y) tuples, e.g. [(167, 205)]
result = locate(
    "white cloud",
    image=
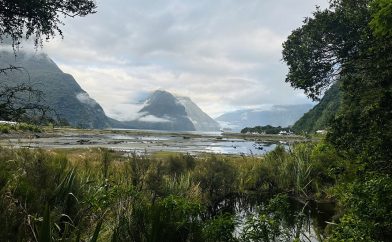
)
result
[(86, 99), (153, 119), (228, 125), (225, 55), (125, 112)]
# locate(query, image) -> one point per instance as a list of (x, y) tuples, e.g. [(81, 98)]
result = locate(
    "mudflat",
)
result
[(147, 141)]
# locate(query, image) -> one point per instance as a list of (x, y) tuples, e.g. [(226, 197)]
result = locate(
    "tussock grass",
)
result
[(100, 195)]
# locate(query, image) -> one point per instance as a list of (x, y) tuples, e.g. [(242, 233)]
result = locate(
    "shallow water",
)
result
[(240, 147), (313, 220), (149, 142)]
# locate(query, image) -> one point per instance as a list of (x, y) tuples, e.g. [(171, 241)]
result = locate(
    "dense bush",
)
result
[(99, 193), (7, 128)]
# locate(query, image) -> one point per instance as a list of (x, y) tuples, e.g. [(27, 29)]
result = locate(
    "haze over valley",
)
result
[(160, 110), (225, 58)]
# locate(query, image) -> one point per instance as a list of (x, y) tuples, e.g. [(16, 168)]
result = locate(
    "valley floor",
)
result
[(141, 141)]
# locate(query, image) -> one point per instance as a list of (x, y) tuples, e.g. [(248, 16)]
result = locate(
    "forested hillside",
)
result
[(321, 115)]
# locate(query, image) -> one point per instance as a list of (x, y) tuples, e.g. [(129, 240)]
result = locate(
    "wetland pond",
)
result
[(277, 219)]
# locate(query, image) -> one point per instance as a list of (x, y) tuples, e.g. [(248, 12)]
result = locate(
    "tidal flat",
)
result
[(149, 142)]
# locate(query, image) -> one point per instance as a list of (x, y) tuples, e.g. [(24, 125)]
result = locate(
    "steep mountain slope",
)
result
[(200, 119), (319, 116), (61, 92), (278, 115), (164, 111)]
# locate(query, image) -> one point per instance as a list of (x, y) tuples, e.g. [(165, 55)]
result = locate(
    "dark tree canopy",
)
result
[(23, 103), (349, 42), (326, 44), (40, 19), (382, 18)]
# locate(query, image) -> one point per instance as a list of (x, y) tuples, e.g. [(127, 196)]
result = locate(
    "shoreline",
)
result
[(145, 141)]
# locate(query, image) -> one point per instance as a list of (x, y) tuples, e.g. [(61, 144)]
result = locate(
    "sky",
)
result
[(223, 54)]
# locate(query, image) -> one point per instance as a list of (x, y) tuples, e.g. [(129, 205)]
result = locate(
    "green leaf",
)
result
[(45, 234)]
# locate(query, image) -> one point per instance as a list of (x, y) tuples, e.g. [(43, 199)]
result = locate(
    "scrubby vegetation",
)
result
[(84, 195), (8, 128), (102, 195)]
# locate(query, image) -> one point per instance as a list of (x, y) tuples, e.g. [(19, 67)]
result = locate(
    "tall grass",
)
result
[(100, 195)]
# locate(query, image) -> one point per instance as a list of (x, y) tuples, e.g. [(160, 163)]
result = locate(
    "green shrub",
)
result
[(220, 229), (34, 182), (168, 219), (217, 178), (28, 127), (5, 129), (368, 209)]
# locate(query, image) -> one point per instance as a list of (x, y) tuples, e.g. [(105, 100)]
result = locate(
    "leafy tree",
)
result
[(39, 19), (339, 44), (382, 18), (21, 103), (351, 42)]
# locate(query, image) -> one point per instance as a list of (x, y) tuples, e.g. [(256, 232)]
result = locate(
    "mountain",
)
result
[(321, 114), (61, 92), (164, 111), (277, 115), (200, 119)]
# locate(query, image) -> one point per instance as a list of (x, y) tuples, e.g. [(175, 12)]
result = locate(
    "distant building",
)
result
[(284, 132), (321, 131), (8, 122)]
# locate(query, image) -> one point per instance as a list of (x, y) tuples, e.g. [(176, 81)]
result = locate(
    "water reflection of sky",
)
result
[(139, 137), (153, 142), (240, 147)]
